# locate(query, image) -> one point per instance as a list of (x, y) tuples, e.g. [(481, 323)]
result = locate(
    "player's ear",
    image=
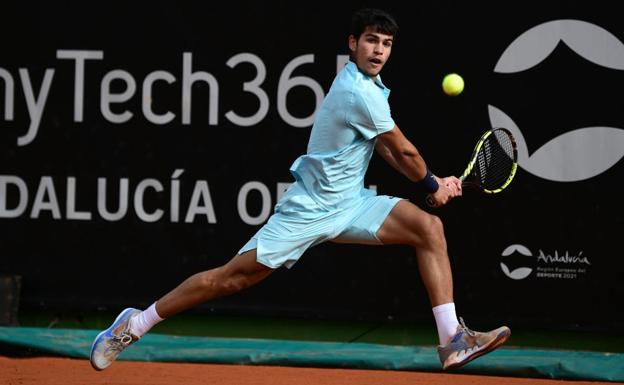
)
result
[(352, 43)]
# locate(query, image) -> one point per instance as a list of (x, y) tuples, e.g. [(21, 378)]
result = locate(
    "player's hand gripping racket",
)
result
[(493, 163)]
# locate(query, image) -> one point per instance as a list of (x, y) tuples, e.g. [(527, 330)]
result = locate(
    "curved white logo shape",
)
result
[(589, 41), (521, 272), (581, 153), (574, 156)]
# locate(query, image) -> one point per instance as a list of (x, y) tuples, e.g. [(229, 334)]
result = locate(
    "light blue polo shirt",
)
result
[(342, 140), (328, 201)]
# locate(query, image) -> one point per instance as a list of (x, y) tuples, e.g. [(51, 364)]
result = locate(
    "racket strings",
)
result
[(495, 160)]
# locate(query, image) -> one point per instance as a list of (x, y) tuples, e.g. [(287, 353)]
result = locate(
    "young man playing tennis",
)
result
[(328, 202)]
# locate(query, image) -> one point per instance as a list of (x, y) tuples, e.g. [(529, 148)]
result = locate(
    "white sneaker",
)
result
[(112, 341), (466, 345)]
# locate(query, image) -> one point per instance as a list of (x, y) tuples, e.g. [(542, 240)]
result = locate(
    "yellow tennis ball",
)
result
[(453, 84)]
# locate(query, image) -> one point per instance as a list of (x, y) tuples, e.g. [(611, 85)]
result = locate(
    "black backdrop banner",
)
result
[(141, 144)]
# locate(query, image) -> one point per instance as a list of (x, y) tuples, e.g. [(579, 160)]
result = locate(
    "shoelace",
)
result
[(470, 332), (119, 343)]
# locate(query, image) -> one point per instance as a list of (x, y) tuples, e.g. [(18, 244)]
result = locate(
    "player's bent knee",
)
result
[(433, 234)]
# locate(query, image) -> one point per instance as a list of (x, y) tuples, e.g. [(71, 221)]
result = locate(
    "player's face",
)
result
[(371, 50)]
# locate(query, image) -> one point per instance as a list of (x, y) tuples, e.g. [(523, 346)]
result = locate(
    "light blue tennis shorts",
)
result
[(300, 223)]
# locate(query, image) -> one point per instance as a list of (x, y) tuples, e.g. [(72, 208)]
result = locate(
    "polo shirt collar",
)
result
[(351, 66)]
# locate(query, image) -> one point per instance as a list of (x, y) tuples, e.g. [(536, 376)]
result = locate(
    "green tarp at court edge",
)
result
[(576, 365)]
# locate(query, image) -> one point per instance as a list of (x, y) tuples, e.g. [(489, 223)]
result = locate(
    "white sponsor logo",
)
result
[(563, 258), (581, 153), (557, 265), (521, 272)]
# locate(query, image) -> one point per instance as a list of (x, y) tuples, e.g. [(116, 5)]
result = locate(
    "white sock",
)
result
[(446, 321), (144, 321)]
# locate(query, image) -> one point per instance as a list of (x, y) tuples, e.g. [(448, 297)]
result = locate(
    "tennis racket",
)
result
[(492, 165)]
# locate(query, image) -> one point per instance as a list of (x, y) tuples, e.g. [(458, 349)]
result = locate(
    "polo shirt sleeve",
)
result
[(370, 113)]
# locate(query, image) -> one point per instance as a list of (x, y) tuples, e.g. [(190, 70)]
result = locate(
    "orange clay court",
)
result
[(66, 371)]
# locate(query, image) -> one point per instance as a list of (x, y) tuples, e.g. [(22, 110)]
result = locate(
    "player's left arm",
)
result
[(386, 154), (371, 116), (402, 155)]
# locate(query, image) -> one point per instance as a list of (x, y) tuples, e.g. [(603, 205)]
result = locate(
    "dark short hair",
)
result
[(379, 20)]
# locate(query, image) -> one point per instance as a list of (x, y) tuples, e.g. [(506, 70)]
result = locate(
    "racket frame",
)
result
[(473, 161)]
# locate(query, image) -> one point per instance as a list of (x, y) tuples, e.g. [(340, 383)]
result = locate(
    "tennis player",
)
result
[(328, 202)]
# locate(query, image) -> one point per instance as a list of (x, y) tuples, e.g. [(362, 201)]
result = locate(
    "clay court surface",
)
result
[(66, 371)]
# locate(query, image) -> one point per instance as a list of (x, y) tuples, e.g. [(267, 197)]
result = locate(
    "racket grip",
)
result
[(430, 201)]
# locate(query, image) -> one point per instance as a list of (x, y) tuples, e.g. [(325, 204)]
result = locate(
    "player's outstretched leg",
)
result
[(112, 341), (239, 273), (466, 345)]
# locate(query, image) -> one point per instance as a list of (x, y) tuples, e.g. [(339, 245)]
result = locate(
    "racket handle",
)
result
[(430, 201)]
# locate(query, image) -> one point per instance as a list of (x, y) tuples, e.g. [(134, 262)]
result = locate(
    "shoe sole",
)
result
[(99, 336), (498, 341)]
